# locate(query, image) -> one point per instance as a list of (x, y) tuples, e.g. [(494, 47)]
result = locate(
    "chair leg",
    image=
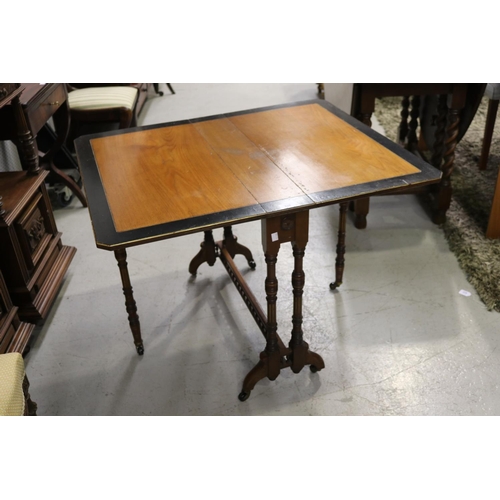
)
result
[(170, 88), (488, 133), (157, 90)]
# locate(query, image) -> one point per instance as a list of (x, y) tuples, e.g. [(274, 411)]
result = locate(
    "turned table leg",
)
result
[(271, 357), (362, 205), (339, 261), (442, 200), (437, 148), (133, 318), (290, 228), (301, 355)]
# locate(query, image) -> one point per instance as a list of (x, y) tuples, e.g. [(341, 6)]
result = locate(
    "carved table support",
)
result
[(234, 248), (277, 230), (206, 254), (209, 252), (403, 125), (133, 318), (413, 125), (340, 261), (442, 198), (437, 153)]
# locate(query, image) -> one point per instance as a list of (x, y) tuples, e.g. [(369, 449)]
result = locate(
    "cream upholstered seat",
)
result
[(102, 98), (12, 401), (102, 104)]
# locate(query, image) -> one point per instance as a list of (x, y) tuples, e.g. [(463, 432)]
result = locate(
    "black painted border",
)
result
[(107, 237)]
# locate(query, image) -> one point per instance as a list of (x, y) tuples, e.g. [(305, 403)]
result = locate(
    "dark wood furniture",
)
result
[(39, 103), (143, 91), (99, 105), (452, 102), (33, 258), (271, 164), (14, 334), (157, 90), (493, 93)]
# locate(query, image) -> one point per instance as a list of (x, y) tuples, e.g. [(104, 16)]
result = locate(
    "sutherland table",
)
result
[(273, 164)]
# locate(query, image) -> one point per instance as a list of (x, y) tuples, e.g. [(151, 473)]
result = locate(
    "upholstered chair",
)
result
[(14, 396)]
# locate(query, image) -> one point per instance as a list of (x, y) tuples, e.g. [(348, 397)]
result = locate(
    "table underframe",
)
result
[(276, 230)]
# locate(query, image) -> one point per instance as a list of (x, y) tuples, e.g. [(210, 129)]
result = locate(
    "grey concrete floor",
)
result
[(397, 337)]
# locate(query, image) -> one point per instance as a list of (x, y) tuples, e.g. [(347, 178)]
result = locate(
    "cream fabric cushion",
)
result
[(11, 384), (102, 98)]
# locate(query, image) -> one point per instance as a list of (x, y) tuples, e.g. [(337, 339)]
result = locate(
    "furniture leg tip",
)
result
[(252, 264), (243, 396), (140, 349), (335, 285)]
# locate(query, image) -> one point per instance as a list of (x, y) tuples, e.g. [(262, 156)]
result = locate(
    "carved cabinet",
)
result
[(33, 259), (14, 334)]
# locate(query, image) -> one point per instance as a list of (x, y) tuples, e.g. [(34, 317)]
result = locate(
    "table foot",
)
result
[(235, 248), (315, 362), (301, 356), (207, 254), (269, 366)]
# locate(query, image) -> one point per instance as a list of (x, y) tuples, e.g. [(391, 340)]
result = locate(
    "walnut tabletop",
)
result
[(160, 181)]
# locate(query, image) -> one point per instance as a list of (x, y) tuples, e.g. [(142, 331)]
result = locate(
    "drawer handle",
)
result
[(55, 103)]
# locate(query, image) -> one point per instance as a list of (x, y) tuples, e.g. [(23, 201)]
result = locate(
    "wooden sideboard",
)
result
[(33, 259), (14, 334)]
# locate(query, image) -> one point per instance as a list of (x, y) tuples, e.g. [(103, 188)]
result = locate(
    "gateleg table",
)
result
[(272, 164)]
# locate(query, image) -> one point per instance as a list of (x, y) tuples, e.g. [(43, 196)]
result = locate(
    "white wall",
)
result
[(340, 95)]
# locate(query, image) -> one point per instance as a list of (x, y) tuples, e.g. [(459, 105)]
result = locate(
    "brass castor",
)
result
[(313, 369), (252, 264), (335, 285), (140, 349)]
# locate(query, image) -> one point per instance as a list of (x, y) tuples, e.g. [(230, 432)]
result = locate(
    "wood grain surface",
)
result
[(318, 150), (174, 173)]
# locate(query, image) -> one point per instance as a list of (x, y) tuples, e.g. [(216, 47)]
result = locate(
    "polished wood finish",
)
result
[(34, 260), (260, 160), (133, 318), (14, 334), (21, 122), (340, 261), (271, 164)]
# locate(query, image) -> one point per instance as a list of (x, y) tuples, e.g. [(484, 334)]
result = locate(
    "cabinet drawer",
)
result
[(52, 98), (33, 231)]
